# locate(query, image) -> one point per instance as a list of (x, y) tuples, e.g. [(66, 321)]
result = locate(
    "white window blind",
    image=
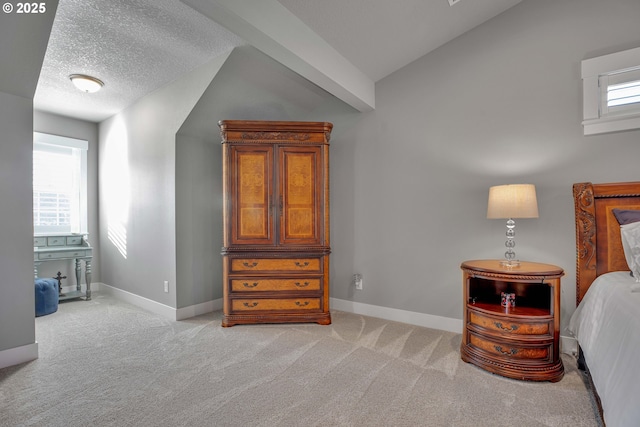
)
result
[(622, 92), (59, 184)]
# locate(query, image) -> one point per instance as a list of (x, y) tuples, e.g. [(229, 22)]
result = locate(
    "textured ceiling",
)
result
[(133, 46), (137, 46)]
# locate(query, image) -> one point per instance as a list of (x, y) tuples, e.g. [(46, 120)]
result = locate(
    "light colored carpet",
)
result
[(108, 363)]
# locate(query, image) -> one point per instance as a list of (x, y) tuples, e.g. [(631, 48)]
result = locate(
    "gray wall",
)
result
[(501, 104), (410, 180), (17, 308), (137, 185), (88, 131), (198, 220), (23, 43)]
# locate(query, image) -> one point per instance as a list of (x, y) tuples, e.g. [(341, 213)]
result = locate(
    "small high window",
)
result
[(611, 88)]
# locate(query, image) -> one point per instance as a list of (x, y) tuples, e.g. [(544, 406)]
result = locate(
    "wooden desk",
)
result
[(67, 246)]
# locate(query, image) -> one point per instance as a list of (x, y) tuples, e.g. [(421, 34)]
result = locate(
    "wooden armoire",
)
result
[(276, 221)]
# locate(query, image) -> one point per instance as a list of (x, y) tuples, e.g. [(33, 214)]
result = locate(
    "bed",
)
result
[(606, 322)]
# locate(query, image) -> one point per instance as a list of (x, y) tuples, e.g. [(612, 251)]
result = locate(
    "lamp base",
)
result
[(510, 263)]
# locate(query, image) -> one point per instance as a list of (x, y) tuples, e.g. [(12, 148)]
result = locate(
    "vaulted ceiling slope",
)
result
[(342, 46), (256, 87)]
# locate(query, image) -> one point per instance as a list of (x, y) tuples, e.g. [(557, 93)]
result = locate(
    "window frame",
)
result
[(597, 117), (42, 140)]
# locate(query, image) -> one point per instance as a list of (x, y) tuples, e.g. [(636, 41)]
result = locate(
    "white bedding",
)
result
[(607, 327)]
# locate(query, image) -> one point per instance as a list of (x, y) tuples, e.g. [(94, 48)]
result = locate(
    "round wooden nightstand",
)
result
[(519, 341)]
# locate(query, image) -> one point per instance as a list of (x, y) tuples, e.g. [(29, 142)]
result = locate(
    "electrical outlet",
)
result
[(166, 286), (357, 280)]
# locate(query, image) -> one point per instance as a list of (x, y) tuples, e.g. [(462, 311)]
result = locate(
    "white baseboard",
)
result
[(568, 345), (17, 355), (198, 309), (95, 287), (142, 302), (161, 309), (397, 315)]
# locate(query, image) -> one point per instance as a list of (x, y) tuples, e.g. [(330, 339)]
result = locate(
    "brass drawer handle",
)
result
[(511, 352), (250, 285), (302, 264), (250, 304), (253, 264), (302, 304), (509, 329), (302, 285)]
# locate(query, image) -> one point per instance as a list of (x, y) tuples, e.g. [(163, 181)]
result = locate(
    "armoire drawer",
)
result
[(252, 284), (504, 325), (271, 304), (276, 264)]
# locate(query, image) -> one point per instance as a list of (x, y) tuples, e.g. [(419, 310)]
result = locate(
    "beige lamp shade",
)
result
[(512, 201)]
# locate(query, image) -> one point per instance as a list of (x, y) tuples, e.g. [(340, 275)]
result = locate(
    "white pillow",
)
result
[(630, 234)]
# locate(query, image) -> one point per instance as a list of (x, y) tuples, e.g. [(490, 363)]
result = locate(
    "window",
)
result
[(59, 184), (611, 88), (622, 92)]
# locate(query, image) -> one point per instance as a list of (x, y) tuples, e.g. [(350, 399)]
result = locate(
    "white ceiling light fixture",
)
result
[(86, 83), (452, 2)]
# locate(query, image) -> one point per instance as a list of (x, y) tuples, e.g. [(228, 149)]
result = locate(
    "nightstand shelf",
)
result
[(520, 342), (514, 311)]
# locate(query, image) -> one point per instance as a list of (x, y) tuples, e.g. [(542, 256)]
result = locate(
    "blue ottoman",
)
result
[(46, 296)]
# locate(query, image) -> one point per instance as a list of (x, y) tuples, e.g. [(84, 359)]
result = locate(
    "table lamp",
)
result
[(509, 202)]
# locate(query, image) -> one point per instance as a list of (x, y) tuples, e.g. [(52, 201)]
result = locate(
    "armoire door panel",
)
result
[(300, 190), (252, 188)]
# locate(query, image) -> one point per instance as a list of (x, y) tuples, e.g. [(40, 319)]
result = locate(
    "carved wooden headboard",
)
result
[(598, 245)]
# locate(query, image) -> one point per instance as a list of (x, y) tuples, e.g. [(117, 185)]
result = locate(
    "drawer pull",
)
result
[(250, 304), (302, 304), (509, 329), (250, 285), (253, 264), (302, 264), (302, 285), (511, 352)]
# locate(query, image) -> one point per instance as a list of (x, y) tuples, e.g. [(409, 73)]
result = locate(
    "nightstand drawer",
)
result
[(275, 264), (267, 304), (513, 349), (509, 326), (284, 284)]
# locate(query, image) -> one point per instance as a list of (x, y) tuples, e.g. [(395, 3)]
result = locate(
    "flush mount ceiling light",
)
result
[(86, 83)]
